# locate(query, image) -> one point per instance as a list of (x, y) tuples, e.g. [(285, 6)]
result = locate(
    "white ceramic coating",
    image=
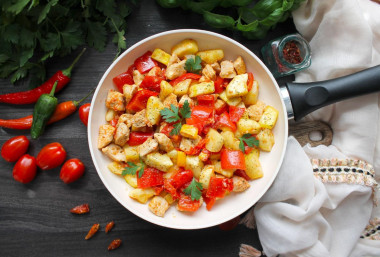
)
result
[(233, 204)]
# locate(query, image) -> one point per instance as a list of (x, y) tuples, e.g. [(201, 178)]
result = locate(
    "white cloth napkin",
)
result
[(308, 211)]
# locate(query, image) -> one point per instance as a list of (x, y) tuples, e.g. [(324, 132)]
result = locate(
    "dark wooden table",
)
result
[(35, 218)]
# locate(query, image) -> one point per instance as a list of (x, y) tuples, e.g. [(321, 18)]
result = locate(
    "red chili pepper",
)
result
[(137, 138), (151, 177), (124, 78), (152, 83), (31, 96), (236, 113), (139, 100), (62, 111), (145, 63), (224, 121), (250, 81), (184, 77), (232, 159), (206, 100), (81, 209)]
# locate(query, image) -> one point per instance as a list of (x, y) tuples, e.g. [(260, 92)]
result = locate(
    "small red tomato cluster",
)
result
[(50, 156)]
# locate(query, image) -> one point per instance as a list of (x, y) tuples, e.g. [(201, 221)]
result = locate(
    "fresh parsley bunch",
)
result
[(33, 31)]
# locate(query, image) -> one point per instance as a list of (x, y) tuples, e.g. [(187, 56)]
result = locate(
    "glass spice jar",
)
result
[(287, 55)]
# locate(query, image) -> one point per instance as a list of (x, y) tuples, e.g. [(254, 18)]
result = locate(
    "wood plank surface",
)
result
[(35, 218)]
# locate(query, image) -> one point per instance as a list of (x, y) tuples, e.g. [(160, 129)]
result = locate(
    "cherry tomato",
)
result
[(51, 156), (14, 148), (71, 171), (25, 169), (84, 110)]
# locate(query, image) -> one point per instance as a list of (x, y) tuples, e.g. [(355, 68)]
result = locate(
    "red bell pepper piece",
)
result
[(218, 187), (221, 109), (137, 138), (139, 100), (219, 85), (201, 112), (152, 83), (236, 113), (124, 78), (241, 173), (250, 81), (232, 159), (224, 121), (198, 148), (206, 100), (145, 63), (151, 177), (186, 204), (209, 201), (184, 77), (178, 180)]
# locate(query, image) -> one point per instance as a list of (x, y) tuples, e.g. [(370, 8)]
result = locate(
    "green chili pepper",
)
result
[(42, 112), (218, 21)]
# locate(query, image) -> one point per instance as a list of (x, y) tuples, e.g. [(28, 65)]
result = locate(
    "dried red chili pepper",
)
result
[(31, 96), (92, 231), (109, 226), (114, 244), (292, 53), (81, 209)]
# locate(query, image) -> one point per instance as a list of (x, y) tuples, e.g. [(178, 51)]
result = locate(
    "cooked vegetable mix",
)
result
[(186, 127)]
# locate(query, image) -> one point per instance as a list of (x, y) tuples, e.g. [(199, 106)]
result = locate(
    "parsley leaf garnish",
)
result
[(176, 129), (249, 139), (132, 169), (193, 65), (194, 190), (175, 114), (185, 110), (170, 115)]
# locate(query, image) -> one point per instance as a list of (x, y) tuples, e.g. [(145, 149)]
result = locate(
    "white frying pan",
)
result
[(293, 100)]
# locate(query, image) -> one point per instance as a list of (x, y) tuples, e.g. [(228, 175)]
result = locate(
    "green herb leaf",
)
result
[(132, 169), (176, 129), (46, 10), (185, 111), (96, 35), (17, 7), (249, 139), (194, 190), (193, 65), (170, 114)]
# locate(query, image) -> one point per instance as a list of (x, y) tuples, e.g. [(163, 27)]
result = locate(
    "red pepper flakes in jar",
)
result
[(287, 55)]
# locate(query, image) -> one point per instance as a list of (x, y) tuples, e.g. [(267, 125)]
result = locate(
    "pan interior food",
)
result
[(228, 207)]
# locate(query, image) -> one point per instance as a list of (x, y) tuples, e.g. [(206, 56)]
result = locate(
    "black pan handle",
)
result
[(308, 97)]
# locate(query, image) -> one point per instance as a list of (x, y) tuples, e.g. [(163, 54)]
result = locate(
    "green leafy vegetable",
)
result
[(193, 65), (194, 190), (132, 169), (185, 110), (170, 115), (173, 113), (176, 129), (249, 139), (254, 18), (33, 31)]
